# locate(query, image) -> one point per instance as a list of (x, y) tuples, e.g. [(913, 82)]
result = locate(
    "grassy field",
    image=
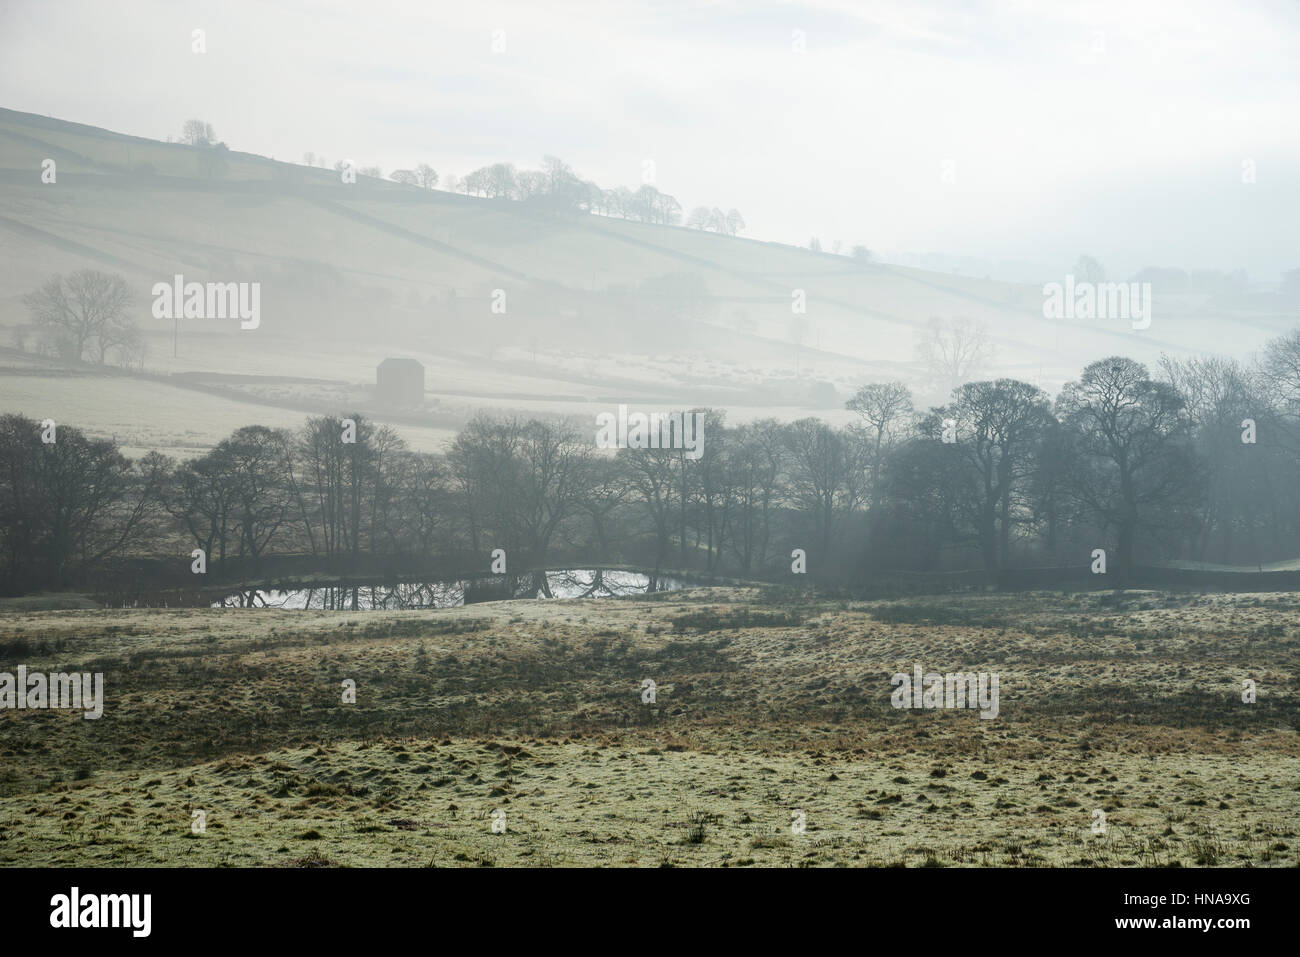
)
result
[(527, 717)]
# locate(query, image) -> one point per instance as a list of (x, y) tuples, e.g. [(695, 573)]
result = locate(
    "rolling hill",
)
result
[(597, 310)]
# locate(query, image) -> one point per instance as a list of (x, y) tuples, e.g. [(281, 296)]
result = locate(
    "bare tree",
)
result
[(521, 481), (202, 502), (953, 351), (1280, 368), (339, 479), (259, 460), (86, 311), (620, 202), (758, 474), (607, 491), (820, 476), (999, 428), (701, 217), (705, 218), (885, 409), (1242, 501), (652, 476), (198, 133), (500, 181), (1129, 461), (68, 505)]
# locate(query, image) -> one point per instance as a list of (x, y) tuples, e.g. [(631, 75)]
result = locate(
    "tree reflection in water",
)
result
[(403, 596)]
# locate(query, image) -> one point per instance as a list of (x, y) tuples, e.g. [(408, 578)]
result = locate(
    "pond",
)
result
[(566, 583)]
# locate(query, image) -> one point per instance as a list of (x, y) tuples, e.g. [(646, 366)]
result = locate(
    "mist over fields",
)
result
[(592, 309), (650, 434)]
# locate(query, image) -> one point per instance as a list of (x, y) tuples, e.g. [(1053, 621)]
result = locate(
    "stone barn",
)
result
[(400, 382)]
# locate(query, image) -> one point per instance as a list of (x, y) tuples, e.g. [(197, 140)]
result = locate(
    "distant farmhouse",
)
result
[(400, 382)]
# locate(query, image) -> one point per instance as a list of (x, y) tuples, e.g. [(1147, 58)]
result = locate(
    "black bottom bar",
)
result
[(949, 907)]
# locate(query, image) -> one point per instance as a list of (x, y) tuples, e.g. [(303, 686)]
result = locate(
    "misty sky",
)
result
[(1114, 128)]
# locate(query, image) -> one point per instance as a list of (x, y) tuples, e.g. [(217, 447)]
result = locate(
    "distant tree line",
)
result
[(1197, 461), (556, 187)]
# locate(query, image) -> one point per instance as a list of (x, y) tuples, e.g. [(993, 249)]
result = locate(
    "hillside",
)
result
[(598, 310)]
